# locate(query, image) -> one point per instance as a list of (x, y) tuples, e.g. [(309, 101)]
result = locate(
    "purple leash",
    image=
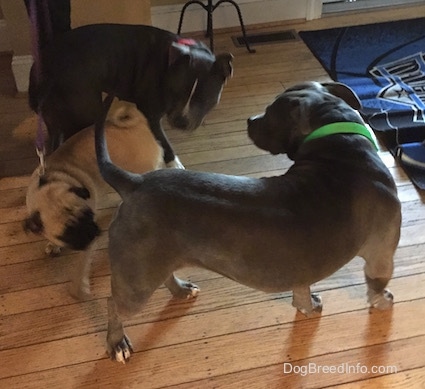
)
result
[(39, 145), (35, 45)]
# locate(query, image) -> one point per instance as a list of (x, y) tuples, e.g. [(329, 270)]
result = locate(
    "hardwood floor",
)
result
[(230, 336)]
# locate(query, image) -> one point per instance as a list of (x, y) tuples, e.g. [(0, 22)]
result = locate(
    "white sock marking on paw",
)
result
[(175, 164), (382, 301), (193, 293), (122, 355)]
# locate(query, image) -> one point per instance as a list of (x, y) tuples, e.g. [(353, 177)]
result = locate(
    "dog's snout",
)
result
[(254, 118), (79, 234)]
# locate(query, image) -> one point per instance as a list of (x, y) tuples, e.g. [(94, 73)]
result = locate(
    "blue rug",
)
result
[(385, 65)]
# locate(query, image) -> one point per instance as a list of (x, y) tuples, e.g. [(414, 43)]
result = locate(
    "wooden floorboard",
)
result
[(230, 336)]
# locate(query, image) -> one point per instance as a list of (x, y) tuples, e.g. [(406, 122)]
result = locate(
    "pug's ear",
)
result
[(33, 224), (80, 192)]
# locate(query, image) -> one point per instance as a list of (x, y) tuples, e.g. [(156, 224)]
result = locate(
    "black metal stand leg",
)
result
[(210, 9), (238, 10), (184, 10), (210, 30)]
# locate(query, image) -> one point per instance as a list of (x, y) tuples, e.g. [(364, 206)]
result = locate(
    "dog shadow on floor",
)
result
[(377, 330), (301, 338), (145, 337), (155, 332)]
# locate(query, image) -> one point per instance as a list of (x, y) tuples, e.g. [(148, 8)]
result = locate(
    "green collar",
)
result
[(343, 128)]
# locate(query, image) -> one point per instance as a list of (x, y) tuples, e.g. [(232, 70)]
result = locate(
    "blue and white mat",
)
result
[(385, 65)]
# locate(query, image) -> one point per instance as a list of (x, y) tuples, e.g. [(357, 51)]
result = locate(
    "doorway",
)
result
[(330, 6)]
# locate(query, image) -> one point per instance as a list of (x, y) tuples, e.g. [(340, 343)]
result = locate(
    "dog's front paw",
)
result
[(316, 302), (191, 290), (79, 291), (308, 307), (79, 294), (121, 352), (52, 250), (175, 164), (382, 300), (182, 289)]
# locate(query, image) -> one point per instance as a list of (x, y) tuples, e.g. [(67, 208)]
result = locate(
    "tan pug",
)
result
[(62, 202)]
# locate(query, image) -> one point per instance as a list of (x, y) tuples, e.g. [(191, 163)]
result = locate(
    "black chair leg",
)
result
[(210, 29), (184, 10), (210, 9), (238, 10)]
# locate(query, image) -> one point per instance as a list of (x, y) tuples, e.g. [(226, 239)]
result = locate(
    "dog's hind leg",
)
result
[(181, 289), (119, 346), (378, 269), (130, 293), (378, 273), (378, 253), (125, 302), (305, 301), (79, 287), (65, 115)]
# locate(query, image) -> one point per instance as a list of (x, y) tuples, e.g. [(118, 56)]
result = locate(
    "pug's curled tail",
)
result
[(121, 180)]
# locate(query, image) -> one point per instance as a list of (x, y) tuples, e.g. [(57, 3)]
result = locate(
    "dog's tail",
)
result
[(121, 180), (124, 114)]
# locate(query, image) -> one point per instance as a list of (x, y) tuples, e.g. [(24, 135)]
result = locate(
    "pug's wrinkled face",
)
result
[(61, 212)]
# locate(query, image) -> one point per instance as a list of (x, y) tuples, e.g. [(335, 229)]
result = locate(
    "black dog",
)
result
[(163, 74)]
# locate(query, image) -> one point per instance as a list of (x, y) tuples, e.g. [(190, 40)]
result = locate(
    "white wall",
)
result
[(225, 15), (253, 12), (167, 17)]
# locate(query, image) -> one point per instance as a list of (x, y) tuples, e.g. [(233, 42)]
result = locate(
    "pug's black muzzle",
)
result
[(79, 234)]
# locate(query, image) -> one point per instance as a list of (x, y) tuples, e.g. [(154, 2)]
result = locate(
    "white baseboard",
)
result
[(21, 65), (4, 37), (225, 15)]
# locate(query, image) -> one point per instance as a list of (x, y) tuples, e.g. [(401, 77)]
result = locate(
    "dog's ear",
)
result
[(177, 51), (343, 92), (33, 223), (80, 192), (223, 65)]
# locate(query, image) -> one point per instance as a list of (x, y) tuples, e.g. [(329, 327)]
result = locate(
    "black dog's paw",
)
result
[(192, 290), (186, 290), (307, 303), (182, 289), (121, 352), (381, 301), (316, 301)]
